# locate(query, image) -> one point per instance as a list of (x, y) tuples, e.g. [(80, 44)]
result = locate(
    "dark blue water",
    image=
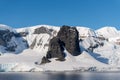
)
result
[(61, 76)]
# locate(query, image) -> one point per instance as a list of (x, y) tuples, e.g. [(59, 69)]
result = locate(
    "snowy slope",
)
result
[(30, 30), (108, 32), (5, 27), (84, 31), (73, 63)]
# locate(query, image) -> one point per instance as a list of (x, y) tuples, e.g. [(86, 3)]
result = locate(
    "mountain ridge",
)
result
[(101, 50)]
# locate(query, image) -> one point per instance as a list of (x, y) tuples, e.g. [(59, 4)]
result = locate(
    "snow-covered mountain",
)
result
[(24, 49), (10, 42), (108, 32)]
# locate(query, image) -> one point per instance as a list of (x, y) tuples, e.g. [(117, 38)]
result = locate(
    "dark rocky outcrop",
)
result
[(70, 36), (21, 34), (8, 40), (5, 36), (67, 38), (56, 48), (42, 30), (51, 30), (45, 60), (11, 48), (2, 42)]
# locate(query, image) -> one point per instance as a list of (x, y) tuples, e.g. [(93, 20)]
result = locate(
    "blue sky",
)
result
[(89, 13)]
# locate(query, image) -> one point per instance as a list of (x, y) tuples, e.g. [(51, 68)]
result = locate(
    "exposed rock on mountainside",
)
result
[(45, 60), (10, 41), (2, 42), (70, 36), (33, 44), (21, 34), (42, 30), (67, 38), (56, 48), (5, 37)]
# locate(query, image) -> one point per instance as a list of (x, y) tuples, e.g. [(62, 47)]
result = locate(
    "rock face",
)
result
[(45, 60), (56, 48), (67, 38), (33, 44), (10, 41), (42, 30), (21, 34), (5, 36), (70, 36)]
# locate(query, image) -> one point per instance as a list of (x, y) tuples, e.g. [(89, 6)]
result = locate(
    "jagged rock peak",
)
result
[(67, 38), (70, 36)]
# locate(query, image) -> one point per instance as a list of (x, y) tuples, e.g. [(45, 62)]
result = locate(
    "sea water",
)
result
[(60, 76)]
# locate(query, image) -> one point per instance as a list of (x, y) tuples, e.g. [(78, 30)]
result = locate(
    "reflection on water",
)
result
[(60, 76)]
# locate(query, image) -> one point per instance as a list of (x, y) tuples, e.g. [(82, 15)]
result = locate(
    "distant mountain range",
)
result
[(64, 48)]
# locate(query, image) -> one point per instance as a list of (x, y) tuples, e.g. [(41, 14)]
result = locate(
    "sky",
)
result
[(90, 13)]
